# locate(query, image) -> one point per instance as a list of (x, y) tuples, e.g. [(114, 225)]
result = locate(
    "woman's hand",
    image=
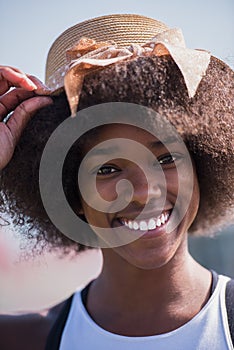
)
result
[(22, 101)]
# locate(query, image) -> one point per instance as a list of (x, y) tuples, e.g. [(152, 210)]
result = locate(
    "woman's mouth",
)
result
[(148, 224)]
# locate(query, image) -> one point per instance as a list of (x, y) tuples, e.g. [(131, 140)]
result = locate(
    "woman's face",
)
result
[(154, 246)]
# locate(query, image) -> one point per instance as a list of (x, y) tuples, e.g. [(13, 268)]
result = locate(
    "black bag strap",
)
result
[(229, 299), (230, 307), (55, 335)]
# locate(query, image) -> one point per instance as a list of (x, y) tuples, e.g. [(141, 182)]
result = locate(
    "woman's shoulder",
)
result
[(28, 331)]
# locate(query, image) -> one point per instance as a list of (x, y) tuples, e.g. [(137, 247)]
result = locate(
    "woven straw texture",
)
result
[(124, 29)]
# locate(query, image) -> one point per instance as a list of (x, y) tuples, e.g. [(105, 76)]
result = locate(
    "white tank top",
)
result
[(207, 330)]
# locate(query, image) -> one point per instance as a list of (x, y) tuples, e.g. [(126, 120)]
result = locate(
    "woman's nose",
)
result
[(146, 187)]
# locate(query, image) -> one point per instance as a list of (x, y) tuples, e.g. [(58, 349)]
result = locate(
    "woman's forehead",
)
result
[(124, 130), (118, 136)]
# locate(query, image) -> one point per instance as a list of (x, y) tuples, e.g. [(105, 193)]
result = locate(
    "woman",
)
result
[(150, 293)]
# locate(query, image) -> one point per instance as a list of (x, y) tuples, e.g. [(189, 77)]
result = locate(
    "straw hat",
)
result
[(107, 40), (123, 29)]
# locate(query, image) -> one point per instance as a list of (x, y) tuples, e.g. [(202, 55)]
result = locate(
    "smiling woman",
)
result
[(144, 213), (138, 192)]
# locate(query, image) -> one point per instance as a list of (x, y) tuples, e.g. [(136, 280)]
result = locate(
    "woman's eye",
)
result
[(106, 170), (168, 159)]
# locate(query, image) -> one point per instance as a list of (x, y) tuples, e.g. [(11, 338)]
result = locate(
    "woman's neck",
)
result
[(165, 298)]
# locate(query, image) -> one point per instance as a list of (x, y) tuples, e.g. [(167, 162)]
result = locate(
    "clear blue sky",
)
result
[(28, 28)]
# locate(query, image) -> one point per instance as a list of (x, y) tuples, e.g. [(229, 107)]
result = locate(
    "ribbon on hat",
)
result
[(88, 56)]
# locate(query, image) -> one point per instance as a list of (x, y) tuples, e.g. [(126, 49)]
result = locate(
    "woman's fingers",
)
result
[(13, 77), (23, 114), (41, 89), (9, 101), (23, 101), (11, 131), (26, 86), (10, 77)]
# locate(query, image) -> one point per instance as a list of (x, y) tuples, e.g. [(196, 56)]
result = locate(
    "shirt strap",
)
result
[(230, 307), (55, 335)]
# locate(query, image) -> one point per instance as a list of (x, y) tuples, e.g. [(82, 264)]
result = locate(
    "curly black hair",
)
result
[(205, 123)]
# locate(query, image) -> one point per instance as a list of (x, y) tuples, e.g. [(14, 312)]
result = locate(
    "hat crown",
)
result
[(123, 29)]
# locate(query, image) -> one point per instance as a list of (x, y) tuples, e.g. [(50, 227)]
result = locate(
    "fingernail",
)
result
[(43, 91), (43, 87), (31, 84), (41, 84), (46, 88)]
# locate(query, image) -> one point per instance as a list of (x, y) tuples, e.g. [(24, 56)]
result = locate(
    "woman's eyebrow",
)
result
[(115, 148), (164, 143), (102, 151)]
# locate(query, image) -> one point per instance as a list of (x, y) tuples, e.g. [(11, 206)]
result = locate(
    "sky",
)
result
[(28, 28)]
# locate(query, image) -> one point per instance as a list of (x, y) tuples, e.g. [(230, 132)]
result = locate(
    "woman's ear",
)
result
[(77, 208), (80, 211)]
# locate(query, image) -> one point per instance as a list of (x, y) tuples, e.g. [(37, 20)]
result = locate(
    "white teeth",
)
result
[(146, 225), (163, 219), (152, 224), (130, 225), (143, 226), (135, 225), (159, 222)]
